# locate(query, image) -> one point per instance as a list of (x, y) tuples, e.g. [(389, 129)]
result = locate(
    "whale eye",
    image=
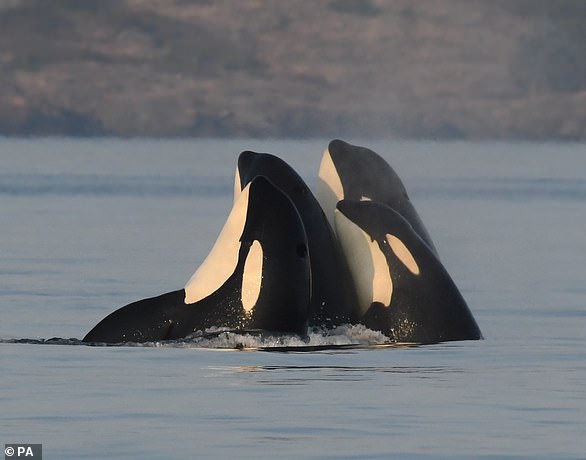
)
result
[(300, 189), (302, 251)]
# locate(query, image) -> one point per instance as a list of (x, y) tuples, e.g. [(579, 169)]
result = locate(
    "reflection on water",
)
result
[(305, 375)]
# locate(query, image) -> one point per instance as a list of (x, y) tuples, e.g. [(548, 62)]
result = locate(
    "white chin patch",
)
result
[(237, 185), (329, 187), (403, 254), (221, 262), (252, 276), (368, 264)]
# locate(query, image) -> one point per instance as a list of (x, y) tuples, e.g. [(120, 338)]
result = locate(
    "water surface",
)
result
[(88, 226)]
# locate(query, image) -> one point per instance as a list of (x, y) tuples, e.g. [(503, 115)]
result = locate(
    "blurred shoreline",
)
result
[(453, 69)]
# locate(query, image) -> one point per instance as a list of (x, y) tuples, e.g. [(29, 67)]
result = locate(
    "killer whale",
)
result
[(333, 301), (252, 279), (404, 291), (357, 173), (279, 265)]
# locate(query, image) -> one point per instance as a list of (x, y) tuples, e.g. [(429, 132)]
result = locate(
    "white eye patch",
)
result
[(252, 276), (403, 254)]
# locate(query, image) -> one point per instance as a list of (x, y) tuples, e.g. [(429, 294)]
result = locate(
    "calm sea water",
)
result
[(87, 226)]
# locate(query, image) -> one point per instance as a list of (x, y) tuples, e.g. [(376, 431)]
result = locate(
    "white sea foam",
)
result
[(219, 338), (345, 335)]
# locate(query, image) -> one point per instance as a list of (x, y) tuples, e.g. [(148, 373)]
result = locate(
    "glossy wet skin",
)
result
[(278, 265), (357, 173), (413, 299), (268, 287), (332, 301)]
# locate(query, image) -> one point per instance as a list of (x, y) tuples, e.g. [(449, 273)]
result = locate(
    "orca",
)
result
[(403, 289), (357, 173), (256, 277), (332, 300)]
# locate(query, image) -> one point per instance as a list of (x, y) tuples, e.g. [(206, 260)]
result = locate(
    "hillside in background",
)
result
[(423, 69)]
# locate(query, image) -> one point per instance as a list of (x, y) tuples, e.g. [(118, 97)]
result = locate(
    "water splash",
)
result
[(341, 336), (345, 336)]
